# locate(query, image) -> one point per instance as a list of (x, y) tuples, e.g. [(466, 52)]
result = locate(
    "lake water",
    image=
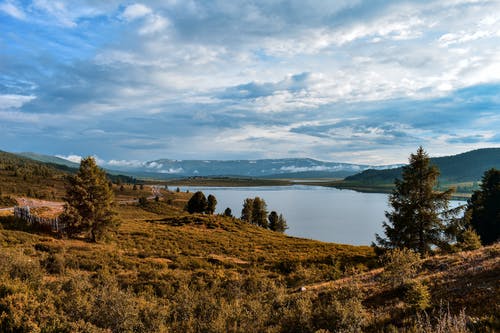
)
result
[(315, 212)]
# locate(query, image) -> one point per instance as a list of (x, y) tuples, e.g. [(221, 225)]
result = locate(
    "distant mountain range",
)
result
[(465, 167), (288, 167), (302, 168)]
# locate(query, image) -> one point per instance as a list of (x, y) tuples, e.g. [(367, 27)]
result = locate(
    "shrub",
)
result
[(417, 295), (400, 265), (339, 310), (469, 240), (54, 264)]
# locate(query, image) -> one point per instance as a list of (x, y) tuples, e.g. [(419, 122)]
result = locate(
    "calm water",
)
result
[(316, 212)]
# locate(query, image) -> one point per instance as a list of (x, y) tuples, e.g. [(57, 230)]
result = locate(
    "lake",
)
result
[(315, 212)]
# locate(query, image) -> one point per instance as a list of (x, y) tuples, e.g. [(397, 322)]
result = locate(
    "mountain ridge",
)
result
[(464, 167)]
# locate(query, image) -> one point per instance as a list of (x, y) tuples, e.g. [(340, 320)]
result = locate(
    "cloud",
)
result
[(172, 171), (9, 8), (135, 11), (197, 79), (71, 158), (14, 101), (153, 22)]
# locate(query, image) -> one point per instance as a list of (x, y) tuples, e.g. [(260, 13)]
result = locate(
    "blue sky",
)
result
[(347, 81)]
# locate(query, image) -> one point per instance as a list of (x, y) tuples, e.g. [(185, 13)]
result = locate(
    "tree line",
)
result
[(254, 211)]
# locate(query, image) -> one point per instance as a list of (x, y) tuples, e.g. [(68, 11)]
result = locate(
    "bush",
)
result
[(400, 266), (340, 311), (417, 295), (469, 240), (54, 264)]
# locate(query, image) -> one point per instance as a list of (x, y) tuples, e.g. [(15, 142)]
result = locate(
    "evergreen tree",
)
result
[(259, 212), (273, 220), (281, 226), (228, 212), (416, 221), (484, 207), (89, 202), (211, 204), (277, 222), (246, 212), (197, 203)]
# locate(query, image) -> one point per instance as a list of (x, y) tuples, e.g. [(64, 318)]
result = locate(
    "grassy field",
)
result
[(165, 270)]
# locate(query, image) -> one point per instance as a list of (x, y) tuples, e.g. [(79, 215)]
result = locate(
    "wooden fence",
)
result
[(25, 214)]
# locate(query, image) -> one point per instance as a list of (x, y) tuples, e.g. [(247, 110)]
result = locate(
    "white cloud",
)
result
[(71, 158), (153, 24), (124, 163), (136, 11), (11, 9), (172, 171), (9, 101), (58, 10)]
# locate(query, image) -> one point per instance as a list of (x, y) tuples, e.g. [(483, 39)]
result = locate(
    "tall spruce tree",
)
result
[(484, 208), (89, 202), (418, 217)]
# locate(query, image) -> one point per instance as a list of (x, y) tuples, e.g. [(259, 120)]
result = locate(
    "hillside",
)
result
[(22, 176), (461, 168), (167, 271)]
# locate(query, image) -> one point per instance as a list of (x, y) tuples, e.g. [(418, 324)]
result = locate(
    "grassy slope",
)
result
[(159, 251), (159, 247)]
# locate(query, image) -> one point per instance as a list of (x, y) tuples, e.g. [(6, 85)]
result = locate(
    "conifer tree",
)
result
[(417, 219), (273, 220), (246, 212), (277, 222), (211, 204), (259, 212), (228, 212), (484, 208), (197, 203), (89, 202)]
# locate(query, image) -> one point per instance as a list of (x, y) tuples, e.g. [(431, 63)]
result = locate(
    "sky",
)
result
[(346, 81)]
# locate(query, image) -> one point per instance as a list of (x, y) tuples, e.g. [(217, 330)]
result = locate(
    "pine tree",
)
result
[(246, 212), (197, 203), (228, 212), (259, 212), (484, 207), (281, 226), (277, 222), (273, 220), (211, 204), (416, 221), (89, 202)]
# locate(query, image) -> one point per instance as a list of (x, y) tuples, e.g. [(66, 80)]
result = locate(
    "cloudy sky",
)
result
[(346, 80)]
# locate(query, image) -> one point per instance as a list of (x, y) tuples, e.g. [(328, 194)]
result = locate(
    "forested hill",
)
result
[(21, 175), (466, 167)]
